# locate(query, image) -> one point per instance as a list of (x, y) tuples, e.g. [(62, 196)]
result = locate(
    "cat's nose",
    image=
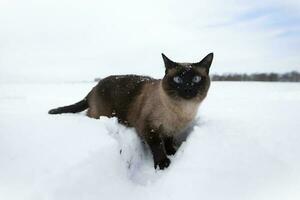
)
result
[(188, 91)]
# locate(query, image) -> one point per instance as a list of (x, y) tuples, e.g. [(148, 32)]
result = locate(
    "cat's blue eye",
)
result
[(196, 79), (177, 79)]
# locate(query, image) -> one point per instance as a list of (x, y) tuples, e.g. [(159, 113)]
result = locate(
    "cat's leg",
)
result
[(98, 107), (92, 113), (154, 139), (169, 145)]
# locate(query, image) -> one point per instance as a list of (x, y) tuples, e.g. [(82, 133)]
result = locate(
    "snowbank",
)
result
[(245, 146)]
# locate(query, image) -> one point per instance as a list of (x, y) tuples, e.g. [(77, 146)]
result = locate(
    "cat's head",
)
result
[(187, 80)]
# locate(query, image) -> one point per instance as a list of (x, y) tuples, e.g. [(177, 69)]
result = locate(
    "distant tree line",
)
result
[(292, 76)]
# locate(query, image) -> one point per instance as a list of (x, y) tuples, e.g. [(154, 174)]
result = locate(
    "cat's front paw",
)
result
[(162, 164), (170, 150)]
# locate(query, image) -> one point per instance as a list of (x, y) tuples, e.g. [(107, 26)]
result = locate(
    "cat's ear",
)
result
[(169, 64), (205, 62)]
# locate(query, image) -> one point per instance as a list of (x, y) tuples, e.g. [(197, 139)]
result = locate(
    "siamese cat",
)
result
[(160, 110)]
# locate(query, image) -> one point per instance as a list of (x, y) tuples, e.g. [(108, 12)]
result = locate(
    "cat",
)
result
[(160, 110)]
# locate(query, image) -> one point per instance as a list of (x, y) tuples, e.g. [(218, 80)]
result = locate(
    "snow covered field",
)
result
[(245, 146)]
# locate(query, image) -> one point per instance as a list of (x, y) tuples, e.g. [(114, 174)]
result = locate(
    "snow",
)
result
[(245, 145)]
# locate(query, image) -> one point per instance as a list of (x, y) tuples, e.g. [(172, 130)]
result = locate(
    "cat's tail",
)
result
[(74, 108)]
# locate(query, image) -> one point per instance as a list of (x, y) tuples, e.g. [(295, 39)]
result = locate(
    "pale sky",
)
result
[(74, 40)]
